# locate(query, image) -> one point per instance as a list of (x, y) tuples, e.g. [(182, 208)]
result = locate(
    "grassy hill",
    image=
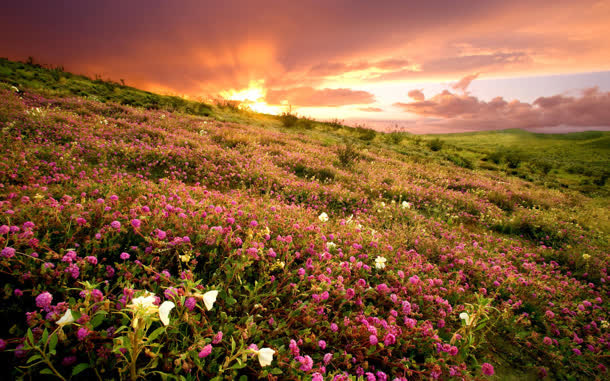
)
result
[(162, 242)]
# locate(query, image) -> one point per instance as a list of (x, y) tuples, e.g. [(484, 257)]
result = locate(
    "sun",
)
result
[(252, 98)]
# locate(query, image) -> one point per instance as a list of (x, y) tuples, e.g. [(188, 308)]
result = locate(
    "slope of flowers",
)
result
[(139, 244)]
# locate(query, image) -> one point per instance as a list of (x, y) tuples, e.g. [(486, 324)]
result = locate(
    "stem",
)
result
[(134, 355), (49, 364)]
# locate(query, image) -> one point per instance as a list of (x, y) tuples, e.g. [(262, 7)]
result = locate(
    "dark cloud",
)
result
[(310, 97), (591, 108), (193, 46)]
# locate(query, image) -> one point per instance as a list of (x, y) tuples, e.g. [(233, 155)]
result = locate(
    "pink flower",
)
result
[(161, 234), (322, 344), (190, 303), (82, 333), (217, 338), (8, 252), (124, 256), (115, 225), (205, 352), (136, 223), (44, 300), (487, 369), (373, 340), (547, 340)]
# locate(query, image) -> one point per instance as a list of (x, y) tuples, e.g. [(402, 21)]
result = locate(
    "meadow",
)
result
[(181, 240)]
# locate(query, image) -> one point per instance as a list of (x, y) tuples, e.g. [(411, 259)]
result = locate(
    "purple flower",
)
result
[(190, 303), (8, 252), (2, 345), (136, 223), (44, 300), (68, 360), (82, 333), (91, 259), (487, 369), (124, 256), (205, 352), (115, 225), (161, 234)]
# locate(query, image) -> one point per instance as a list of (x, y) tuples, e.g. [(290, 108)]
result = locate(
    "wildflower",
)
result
[(323, 217), (8, 252), (464, 316), (2, 345), (124, 256), (91, 259), (487, 369), (265, 356), (44, 300), (322, 344), (161, 234), (209, 298), (373, 340), (115, 225), (217, 338), (164, 310), (586, 257), (327, 358), (380, 262), (190, 303), (136, 223), (82, 333), (205, 352), (66, 319), (406, 205)]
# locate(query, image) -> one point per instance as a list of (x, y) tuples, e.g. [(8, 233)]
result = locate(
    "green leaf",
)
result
[(232, 345), (52, 342), (97, 320), (45, 335), (30, 337), (34, 358), (276, 371), (156, 333), (79, 368), (46, 371)]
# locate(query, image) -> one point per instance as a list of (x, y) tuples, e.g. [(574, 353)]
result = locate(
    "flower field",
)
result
[(148, 244)]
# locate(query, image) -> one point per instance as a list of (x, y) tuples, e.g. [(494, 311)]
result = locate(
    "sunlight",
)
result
[(252, 98)]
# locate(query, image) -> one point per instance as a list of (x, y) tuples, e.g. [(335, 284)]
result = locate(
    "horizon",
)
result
[(428, 68)]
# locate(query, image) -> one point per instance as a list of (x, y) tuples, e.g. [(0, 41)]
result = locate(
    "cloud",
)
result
[(195, 47), (417, 94), (463, 83), (371, 109), (310, 97), (591, 108)]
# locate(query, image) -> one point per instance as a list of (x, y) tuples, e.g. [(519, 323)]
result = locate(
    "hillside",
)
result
[(168, 242)]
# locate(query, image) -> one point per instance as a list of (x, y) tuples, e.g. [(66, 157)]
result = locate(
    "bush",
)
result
[(513, 159), (436, 144), (288, 119), (348, 154)]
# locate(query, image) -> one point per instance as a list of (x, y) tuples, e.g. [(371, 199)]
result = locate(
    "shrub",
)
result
[(513, 159), (436, 144), (348, 154), (288, 119)]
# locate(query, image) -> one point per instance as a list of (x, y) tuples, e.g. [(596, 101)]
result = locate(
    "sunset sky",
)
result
[(427, 66)]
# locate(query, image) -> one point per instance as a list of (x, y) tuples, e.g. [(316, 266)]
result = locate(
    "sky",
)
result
[(421, 66)]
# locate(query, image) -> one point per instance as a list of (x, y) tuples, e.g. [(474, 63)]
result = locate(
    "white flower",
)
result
[(209, 298), (586, 257), (145, 303), (331, 245), (464, 316), (323, 217), (406, 205), (265, 356), (164, 310), (66, 319), (380, 262)]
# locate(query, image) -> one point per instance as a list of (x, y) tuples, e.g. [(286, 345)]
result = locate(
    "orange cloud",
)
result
[(371, 109), (463, 83), (416, 94), (310, 97)]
